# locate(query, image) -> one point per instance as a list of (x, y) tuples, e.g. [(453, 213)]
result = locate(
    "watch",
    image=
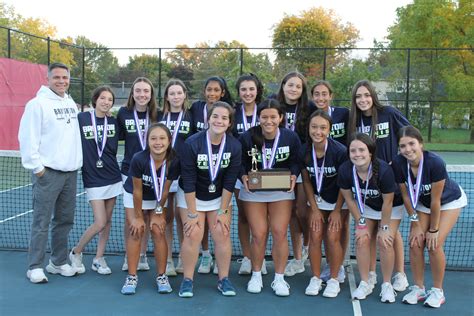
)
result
[(413, 217), (159, 209), (384, 227), (222, 211), (362, 221)]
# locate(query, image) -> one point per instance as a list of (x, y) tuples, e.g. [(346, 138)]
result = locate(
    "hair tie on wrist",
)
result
[(433, 231)]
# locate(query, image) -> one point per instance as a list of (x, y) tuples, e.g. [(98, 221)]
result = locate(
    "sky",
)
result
[(154, 23)]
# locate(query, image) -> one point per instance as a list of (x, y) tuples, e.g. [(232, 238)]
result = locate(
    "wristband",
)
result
[(193, 215), (360, 227), (433, 231)]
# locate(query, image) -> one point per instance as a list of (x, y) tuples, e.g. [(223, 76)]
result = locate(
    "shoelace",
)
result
[(162, 280), (281, 281), (205, 260), (131, 281)]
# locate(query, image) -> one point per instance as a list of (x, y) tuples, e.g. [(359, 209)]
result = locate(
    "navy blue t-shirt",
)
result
[(340, 119), (390, 120), (286, 156), (140, 168), (374, 198), (197, 112), (195, 175), (434, 170), (291, 118), (238, 121), (336, 155), (185, 130), (129, 133), (92, 176)]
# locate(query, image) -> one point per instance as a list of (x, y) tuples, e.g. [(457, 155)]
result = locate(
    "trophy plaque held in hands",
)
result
[(267, 179)]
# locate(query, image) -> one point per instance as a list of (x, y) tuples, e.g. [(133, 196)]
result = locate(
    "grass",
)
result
[(448, 140)]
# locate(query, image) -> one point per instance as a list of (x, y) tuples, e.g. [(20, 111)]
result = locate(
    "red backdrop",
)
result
[(19, 82)]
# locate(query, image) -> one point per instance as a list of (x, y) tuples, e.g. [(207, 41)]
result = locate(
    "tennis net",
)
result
[(16, 216)]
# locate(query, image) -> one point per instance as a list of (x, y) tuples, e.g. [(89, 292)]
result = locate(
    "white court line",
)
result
[(28, 212), (20, 187), (352, 286)]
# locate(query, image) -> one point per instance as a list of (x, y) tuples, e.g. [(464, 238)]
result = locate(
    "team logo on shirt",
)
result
[(88, 131), (202, 162), (184, 128), (282, 154), (65, 114), (338, 130), (130, 125), (329, 172), (291, 119), (200, 126), (147, 180), (371, 193), (425, 189), (382, 130)]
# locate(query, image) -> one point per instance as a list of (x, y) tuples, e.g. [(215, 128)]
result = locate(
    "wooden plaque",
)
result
[(269, 180)]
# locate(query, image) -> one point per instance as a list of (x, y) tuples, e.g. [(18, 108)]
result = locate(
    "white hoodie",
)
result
[(49, 133)]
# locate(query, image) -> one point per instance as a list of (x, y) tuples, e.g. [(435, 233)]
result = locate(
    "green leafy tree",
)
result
[(314, 28)]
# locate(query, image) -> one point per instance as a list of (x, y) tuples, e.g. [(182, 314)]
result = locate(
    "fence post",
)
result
[(241, 59), (49, 50), (324, 63), (407, 94), (159, 74), (9, 44), (83, 83)]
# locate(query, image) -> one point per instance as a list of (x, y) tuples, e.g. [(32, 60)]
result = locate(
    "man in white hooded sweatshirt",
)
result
[(50, 146)]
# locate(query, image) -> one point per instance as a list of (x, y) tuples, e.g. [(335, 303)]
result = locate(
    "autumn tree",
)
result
[(316, 28), (438, 75)]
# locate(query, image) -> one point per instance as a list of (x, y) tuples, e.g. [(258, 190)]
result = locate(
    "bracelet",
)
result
[(193, 215), (433, 231), (361, 226)]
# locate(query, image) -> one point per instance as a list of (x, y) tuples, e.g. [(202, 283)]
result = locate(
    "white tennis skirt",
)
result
[(201, 206), (124, 178), (239, 185), (327, 206), (397, 213), (459, 203), (104, 193), (174, 186), (266, 196), (146, 204)]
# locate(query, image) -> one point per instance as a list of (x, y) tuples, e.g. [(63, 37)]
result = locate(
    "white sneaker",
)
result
[(435, 298), (341, 275), (36, 276), (314, 286), (216, 269), (264, 267), (143, 263), (293, 267), (400, 282), (388, 293), (100, 266), (332, 288), (64, 270), (170, 269), (125, 264), (255, 285), (326, 273), (205, 265), (362, 291), (245, 266), (372, 279), (281, 288), (179, 267), (76, 262), (415, 295)]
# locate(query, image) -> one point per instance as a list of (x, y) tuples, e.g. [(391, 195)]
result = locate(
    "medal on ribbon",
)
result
[(141, 133), (358, 193), (268, 163), (101, 147), (244, 118), (414, 191), (214, 166), (158, 184), (319, 172), (176, 127)]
